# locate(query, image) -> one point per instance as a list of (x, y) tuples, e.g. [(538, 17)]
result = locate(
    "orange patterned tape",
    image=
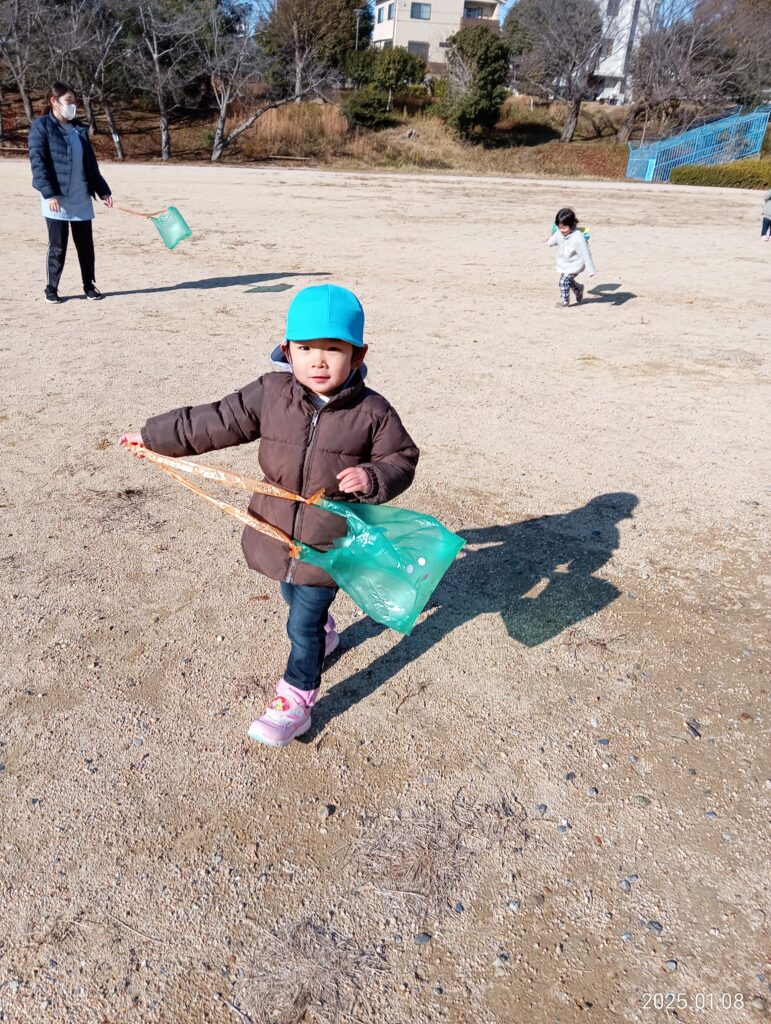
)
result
[(175, 467)]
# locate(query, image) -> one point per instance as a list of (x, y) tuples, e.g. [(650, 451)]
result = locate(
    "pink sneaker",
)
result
[(332, 639), (286, 718)]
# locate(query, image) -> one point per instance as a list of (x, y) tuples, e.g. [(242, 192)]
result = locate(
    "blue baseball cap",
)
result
[(325, 311)]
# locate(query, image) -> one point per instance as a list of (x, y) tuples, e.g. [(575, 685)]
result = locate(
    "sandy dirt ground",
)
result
[(549, 804)]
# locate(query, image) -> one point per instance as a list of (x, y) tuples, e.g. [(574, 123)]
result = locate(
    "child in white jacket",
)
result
[(573, 255)]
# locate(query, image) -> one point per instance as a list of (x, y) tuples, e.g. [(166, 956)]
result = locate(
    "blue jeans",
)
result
[(308, 611)]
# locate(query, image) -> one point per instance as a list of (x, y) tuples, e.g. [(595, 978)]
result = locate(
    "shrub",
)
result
[(359, 67), (741, 174), (368, 108), (478, 66), (396, 68)]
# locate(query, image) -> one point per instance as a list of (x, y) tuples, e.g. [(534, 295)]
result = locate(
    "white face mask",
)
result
[(69, 110)]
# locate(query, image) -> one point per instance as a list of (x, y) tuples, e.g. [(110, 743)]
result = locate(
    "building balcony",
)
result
[(492, 23)]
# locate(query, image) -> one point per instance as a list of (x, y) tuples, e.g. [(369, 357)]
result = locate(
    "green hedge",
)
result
[(368, 108), (741, 174)]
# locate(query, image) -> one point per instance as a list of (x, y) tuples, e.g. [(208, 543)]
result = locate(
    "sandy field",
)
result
[(547, 805)]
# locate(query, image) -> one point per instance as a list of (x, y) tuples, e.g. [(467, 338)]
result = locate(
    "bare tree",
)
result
[(21, 28), (164, 53), (556, 48), (294, 39), (699, 56), (84, 45), (231, 58)]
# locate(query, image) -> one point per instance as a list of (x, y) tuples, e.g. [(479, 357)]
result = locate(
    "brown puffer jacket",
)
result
[(302, 449)]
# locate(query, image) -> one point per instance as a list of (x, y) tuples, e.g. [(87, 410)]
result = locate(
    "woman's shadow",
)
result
[(537, 574)]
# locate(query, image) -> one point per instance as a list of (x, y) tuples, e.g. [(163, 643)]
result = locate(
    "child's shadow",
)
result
[(608, 293), (538, 574)]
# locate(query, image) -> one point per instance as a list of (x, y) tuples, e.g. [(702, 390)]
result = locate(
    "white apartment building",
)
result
[(424, 28), (625, 22)]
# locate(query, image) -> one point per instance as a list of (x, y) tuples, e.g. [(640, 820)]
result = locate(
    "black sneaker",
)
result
[(93, 293), (52, 295)]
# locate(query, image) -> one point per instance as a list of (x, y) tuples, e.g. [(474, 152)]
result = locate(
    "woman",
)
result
[(66, 174)]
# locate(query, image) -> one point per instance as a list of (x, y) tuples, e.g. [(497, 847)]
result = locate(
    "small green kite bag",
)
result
[(389, 562), (172, 227)]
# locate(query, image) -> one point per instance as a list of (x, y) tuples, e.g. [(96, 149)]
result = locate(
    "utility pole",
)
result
[(358, 12)]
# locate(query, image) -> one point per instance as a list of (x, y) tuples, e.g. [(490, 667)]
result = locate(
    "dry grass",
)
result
[(308, 972), (434, 148), (418, 860), (304, 129)]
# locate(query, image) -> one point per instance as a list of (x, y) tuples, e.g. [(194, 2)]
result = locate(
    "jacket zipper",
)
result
[(298, 516)]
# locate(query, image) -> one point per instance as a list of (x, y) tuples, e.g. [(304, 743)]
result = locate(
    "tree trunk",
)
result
[(28, 111), (90, 115), (165, 134), (160, 95), (247, 124), (626, 127), (2, 97), (114, 130), (574, 109), (219, 133), (298, 64)]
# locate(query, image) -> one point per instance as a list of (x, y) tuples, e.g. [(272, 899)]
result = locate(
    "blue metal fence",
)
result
[(716, 142)]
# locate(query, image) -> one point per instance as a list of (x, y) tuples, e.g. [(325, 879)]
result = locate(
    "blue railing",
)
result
[(716, 142)]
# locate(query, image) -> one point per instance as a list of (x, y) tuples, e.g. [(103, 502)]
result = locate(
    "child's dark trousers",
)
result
[(308, 611), (568, 282)]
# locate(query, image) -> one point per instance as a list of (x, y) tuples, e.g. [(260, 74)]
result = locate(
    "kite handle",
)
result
[(176, 467)]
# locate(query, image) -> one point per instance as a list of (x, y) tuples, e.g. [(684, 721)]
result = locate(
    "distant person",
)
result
[(573, 256), (765, 227), (66, 174), (321, 429)]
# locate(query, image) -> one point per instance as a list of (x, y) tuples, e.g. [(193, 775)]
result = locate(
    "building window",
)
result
[(418, 50), (473, 12), (607, 47), (422, 12), (390, 12), (380, 13), (613, 8)]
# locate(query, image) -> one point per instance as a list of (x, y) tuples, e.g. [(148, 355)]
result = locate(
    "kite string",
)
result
[(172, 468), (138, 213)]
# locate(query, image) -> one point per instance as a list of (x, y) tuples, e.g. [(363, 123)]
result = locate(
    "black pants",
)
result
[(58, 236), (766, 226)]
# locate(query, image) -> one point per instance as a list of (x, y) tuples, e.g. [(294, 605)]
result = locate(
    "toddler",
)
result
[(320, 427), (573, 255)]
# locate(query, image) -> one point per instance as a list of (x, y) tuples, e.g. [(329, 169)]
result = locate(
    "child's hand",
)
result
[(354, 480), (132, 441)]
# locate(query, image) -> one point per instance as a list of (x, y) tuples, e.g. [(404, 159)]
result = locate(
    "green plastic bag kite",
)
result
[(389, 562), (172, 227)]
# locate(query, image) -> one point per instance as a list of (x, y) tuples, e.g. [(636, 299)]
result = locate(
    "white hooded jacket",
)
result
[(573, 254)]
